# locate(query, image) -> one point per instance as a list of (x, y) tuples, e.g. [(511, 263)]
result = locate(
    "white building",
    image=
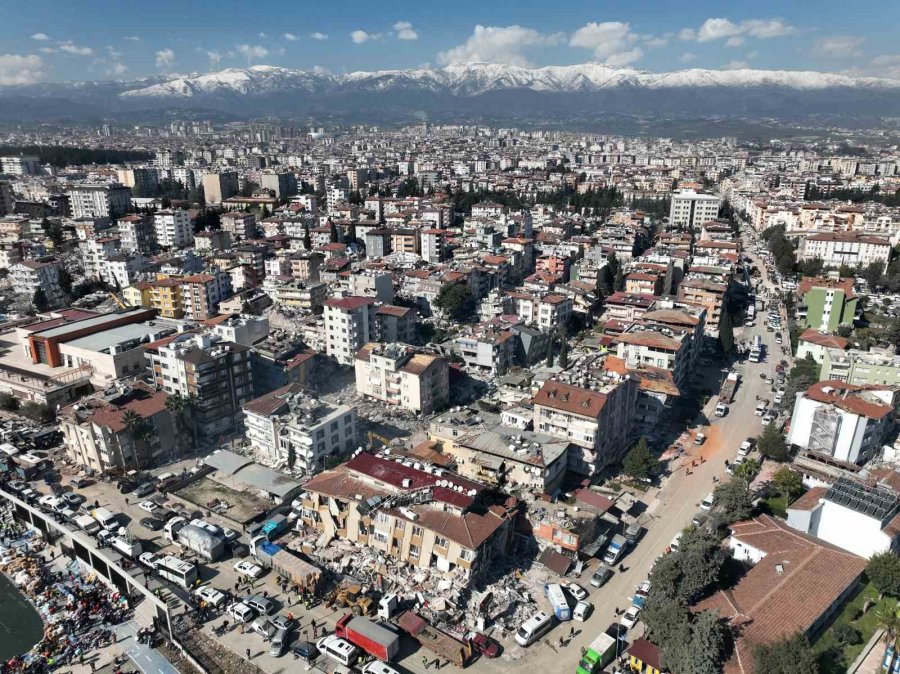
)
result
[(690, 209), (846, 422), (98, 201), (173, 229), (845, 248), (290, 421), (20, 165), (349, 324), (862, 518), (29, 275), (399, 375)]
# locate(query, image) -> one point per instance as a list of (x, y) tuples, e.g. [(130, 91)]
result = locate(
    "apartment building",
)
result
[(291, 421), (166, 298), (7, 202), (96, 436), (656, 346), (878, 367), (371, 283), (827, 304), (398, 374), (214, 372), (173, 228), (144, 182), (281, 185), (98, 201), (691, 209), (217, 187), (426, 516), (202, 293), (137, 234), (597, 420), (709, 294), (488, 350), (845, 248), (349, 325), (550, 311), (241, 226), (43, 272), (433, 245), (843, 421), (21, 165), (395, 324)]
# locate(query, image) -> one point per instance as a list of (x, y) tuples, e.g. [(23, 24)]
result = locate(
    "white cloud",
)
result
[(405, 31), (318, 36), (837, 46), (17, 69), (719, 29), (252, 52), (655, 41), (47, 50), (736, 65), (117, 69), (132, 38), (498, 44), (611, 41), (41, 36), (114, 53), (887, 65), (320, 70), (164, 58), (360, 36), (687, 57), (263, 35), (291, 37), (214, 58), (71, 48)]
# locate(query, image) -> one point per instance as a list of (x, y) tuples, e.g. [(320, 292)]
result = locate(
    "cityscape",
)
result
[(499, 359)]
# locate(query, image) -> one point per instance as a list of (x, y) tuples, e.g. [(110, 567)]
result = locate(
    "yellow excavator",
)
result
[(122, 304), (372, 436)]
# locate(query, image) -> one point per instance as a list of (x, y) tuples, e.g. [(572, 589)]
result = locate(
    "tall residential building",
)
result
[(398, 374), (202, 293), (144, 182), (290, 419), (220, 186), (690, 209), (29, 275), (827, 304), (349, 324), (214, 372), (241, 226), (137, 234), (173, 229), (98, 201), (21, 165), (282, 185)]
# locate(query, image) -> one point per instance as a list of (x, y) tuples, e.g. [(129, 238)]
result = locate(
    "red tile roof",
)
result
[(571, 399), (846, 397), (824, 339), (349, 303)]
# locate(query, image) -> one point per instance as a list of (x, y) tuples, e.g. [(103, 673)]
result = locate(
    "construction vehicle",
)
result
[(122, 304), (352, 596), (371, 436)]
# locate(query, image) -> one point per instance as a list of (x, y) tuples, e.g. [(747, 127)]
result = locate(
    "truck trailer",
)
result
[(438, 642), (286, 563), (369, 636)]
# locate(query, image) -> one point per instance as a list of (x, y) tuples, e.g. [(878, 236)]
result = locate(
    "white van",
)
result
[(378, 667), (105, 518), (583, 609), (338, 649), (707, 502), (534, 628), (240, 612)]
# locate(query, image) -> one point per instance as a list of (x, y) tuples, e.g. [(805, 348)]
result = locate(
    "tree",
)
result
[(456, 300), (38, 412), (564, 353), (9, 402), (619, 281), (550, 351), (846, 634), (726, 332), (883, 570), (639, 463), (873, 274), (39, 300), (701, 558), (788, 483), (54, 231), (735, 500), (792, 655), (704, 649), (307, 239), (889, 621), (291, 456), (771, 444), (747, 470), (65, 280), (804, 374)]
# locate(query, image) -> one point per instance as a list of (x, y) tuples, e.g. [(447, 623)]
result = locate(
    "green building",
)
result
[(827, 303), (878, 367)]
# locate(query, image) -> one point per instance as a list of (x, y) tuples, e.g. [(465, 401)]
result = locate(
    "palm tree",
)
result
[(788, 483), (747, 470), (889, 621)]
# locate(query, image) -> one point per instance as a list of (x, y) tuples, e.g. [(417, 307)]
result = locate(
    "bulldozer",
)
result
[(354, 597)]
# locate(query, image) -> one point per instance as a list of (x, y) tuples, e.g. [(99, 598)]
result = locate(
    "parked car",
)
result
[(305, 649), (582, 611), (601, 575), (152, 523), (145, 490), (72, 500), (488, 647), (249, 569), (211, 595), (577, 591), (148, 506), (768, 419), (282, 622), (745, 447), (148, 559), (81, 482), (260, 604), (699, 439), (631, 616), (240, 612)]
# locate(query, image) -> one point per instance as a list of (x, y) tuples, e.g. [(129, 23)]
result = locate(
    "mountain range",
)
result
[(465, 92)]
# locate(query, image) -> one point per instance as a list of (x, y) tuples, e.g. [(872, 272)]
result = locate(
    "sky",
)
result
[(42, 40)]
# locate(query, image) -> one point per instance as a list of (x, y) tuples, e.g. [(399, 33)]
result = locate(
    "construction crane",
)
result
[(119, 301)]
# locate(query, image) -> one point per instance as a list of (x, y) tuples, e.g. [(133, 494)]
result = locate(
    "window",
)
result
[(441, 542), (414, 551), (417, 531), (381, 518), (379, 536)]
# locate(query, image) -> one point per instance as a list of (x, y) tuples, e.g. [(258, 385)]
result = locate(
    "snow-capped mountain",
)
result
[(477, 78), (581, 93)]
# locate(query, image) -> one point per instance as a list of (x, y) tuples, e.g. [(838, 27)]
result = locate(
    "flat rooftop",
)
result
[(89, 323), (100, 341)]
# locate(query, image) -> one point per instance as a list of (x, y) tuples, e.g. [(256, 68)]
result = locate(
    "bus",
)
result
[(177, 571)]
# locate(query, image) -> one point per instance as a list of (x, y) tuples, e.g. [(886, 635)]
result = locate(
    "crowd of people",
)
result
[(78, 610)]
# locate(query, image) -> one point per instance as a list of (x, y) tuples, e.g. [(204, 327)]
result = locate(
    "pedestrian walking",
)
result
[(571, 633), (248, 654), (425, 662)]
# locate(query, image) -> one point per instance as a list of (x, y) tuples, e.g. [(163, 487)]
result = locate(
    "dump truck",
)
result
[(438, 642), (286, 563), (726, 394), (599, 654), (368, 635)]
